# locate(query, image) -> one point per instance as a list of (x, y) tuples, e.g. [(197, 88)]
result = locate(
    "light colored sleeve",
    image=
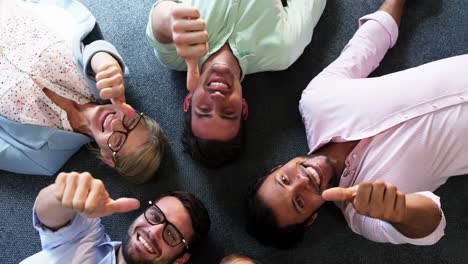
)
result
[(78, 228), (89, 51), (384, 232), (378, 32), (301, 17), (166, 53)]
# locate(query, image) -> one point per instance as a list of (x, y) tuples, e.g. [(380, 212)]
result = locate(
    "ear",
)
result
[(107, 158), (311, 219), (187, 101), (245, 109), (184, 258)]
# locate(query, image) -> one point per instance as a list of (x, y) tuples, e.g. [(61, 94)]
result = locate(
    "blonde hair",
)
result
[(141, 165), (233, 258)]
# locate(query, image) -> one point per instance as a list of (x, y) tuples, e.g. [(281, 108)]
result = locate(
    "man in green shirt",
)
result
[(226, 39)]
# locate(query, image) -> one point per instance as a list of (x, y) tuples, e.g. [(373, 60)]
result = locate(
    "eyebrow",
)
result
[(292, 201)]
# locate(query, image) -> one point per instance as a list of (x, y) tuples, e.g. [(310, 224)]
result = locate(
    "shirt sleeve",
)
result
[(384, 232), (78, 228), (89, 51), (166, 53), (378, 32)]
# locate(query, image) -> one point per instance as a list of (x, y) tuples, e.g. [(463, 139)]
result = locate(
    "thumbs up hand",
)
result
[(88, 196)]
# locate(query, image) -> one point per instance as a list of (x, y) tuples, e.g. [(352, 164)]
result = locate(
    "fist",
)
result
[(109, 77), (84, 194), (374, 199)]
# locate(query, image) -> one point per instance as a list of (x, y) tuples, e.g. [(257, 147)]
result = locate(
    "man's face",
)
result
[(294, 190), (145, 243), (217, 104)]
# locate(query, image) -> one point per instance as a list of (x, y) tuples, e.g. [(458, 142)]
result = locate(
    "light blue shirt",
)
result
[(82, 241)]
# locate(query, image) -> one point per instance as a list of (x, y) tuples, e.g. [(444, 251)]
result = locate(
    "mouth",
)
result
[(218, 84), (314, 173), (105, 120), (146, 244)]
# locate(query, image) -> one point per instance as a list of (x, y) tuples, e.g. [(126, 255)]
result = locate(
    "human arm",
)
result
[(413, 215), (73, 193), (181, 25)]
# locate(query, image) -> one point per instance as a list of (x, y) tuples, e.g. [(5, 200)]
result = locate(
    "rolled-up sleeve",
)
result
[(384, 232)]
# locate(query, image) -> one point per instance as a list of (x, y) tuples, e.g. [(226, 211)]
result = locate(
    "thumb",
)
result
[(123, 205), (339, 194), (193, 74)]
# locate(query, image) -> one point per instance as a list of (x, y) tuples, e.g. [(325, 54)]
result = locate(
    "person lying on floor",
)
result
[(52, 90), (387, 142), (67, 215)]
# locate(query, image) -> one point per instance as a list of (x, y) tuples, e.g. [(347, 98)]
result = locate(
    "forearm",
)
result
[(50, 211), (161, 21), (421, 218)]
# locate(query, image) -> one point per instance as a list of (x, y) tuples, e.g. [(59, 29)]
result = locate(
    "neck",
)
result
[(224, 56), (338, 152)]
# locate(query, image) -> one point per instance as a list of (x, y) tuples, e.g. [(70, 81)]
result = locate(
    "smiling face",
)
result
[(293, 191), (103, 120), (217, 104), (145, 243)]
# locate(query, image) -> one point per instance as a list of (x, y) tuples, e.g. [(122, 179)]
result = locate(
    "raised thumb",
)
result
[(123, 205), (193, 74), (338, 194)]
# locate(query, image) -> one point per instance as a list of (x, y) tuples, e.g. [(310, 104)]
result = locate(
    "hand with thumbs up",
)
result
[(375, 199), (414, 215), (190, 38), (88, 196)]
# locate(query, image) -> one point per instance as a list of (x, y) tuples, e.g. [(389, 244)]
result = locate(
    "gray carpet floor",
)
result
[(431, 30)]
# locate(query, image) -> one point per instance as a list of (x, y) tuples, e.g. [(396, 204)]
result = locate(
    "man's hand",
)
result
[(377, 199), (190, 38), (88, 196)]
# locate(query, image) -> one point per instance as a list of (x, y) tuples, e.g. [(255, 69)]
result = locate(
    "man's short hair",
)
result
[(262, 224), (198, 215), (211, 153)]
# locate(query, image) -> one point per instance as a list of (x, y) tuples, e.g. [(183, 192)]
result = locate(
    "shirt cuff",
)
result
[(77, 228), (396, 237), (386, 20)]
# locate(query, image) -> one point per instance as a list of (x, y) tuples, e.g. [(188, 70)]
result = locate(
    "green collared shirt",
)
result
[(264, 35)]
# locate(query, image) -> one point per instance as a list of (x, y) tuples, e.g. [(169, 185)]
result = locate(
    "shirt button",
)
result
[(461, 98), (434, 106), (354, 156)]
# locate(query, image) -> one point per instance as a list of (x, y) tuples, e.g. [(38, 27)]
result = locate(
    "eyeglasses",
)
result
[(171, 234), (117, 138)]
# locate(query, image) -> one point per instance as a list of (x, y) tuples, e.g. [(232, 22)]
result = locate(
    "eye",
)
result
[(299, 202), (284, 180), (204, 109)]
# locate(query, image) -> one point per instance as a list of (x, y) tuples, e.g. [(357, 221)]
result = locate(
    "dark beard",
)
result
[(129, 259)]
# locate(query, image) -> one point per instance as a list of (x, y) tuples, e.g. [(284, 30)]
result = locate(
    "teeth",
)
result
[(147, 246), (315, 174), (218, 84)]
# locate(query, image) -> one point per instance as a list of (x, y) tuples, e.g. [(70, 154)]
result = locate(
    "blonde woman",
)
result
[(51, 91)]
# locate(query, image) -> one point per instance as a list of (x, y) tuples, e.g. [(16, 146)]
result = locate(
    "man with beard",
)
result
[(227, 39), (387, 142), (66, 214)]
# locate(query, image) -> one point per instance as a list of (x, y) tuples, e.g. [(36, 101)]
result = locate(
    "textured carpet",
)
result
[(430, 30)]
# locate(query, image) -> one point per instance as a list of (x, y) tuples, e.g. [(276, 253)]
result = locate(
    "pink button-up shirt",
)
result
[(412, 124)]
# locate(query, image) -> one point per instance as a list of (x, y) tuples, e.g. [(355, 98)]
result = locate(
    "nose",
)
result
[(156, 232), (217, 95), (301, 182), (117, 125)]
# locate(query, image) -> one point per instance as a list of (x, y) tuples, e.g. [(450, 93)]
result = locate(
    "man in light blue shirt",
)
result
[(227, 39), (66, 214)]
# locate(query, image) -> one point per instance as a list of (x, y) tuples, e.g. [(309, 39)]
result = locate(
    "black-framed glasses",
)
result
[(117, 138), (171, 235)]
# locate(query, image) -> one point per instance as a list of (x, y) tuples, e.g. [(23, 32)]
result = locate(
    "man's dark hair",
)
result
[(211, 153), (198, 214), (261, 221)]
